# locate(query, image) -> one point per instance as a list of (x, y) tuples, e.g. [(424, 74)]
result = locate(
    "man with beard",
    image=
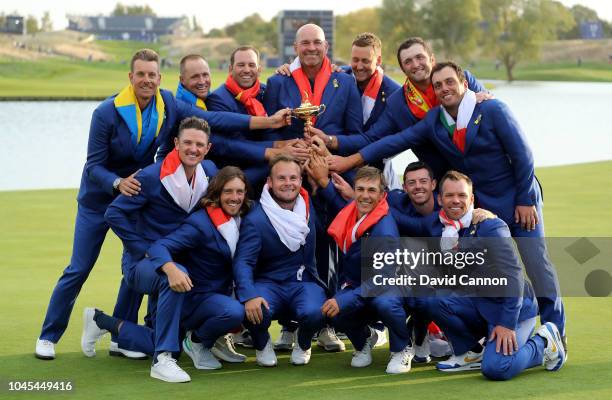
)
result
[(274, 267)]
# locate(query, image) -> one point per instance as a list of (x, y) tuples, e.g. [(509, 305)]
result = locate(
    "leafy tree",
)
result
[(255, 31), (400, 19), (456, 24), (582, 14), (216, 33), (516, 29), (350, 25), (31, 24), (121, 9)]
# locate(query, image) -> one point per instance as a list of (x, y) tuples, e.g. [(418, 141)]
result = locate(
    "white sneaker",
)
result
[(285, 341), (91, 332), (464, 362), (363, 358), (45, 349), (224, 350), (329, 341), (167, 370), (422, 353), (400, 362), (116, 351), (201, 356), (266, 357), (382, 338), (299, 356), (554, 353)]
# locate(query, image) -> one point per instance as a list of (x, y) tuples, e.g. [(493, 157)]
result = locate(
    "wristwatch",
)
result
[(330, 140), (116, 183)]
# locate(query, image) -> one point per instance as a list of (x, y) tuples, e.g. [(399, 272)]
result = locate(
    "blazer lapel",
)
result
[(472, 128), (441, 134)]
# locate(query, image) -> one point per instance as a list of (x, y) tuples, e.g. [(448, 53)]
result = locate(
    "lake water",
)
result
[(45, 143)]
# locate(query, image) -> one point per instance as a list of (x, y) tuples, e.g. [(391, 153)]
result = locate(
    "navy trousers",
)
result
[(210, 315), (359, 312), (540, 270), (89, 233), (142, 277), (298, 301)]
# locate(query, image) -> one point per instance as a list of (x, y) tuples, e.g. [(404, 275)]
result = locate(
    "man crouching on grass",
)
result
[(350, 310), (506, 322)]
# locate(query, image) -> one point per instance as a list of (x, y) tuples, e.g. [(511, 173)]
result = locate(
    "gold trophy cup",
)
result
[(307, 111)]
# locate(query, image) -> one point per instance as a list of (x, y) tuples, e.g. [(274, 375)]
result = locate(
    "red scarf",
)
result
[(217, 215), (419, 102), (368, 99), (248, 97), (303, 84), (342, 228)]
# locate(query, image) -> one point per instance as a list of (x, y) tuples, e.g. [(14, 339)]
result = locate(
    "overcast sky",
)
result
[(216, 14)]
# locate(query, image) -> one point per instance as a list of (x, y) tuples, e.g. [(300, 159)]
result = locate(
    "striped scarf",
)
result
[(127, 106), (188, 97), (172, 175), (228, 227), (458, 130), (346, 228), (368, 98), (450, 233), (418, 102)]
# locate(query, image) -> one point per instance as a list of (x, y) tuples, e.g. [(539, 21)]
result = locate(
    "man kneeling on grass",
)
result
[(507, 322), (350, 310)]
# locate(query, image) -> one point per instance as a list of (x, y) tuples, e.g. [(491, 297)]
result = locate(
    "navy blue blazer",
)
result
[(142, 219), (205, 252), (261, 256), (406, 216), (343, 105), (245, 145), (111, 154), (387, 87), (497, 157), (505, 311), (396, 117)]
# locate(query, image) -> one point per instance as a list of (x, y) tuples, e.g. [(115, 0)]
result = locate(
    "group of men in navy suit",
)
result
[(212, 263)]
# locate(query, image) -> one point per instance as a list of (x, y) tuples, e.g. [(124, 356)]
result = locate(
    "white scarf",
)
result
[(186, 195), (230, 231), (464, 114), (291, 226), (450, 234)]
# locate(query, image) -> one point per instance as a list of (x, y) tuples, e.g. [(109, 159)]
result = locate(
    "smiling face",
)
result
[(416, 63), (245, 69), (368, 193), (192, 145), (455, 198), (145, 79), (310, 46), (232, 196), (195, 77), (419, 186), (449, 89), (364, 61), (285, 181)]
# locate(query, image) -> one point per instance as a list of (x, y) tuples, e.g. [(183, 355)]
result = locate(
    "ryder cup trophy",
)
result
[(307, 111)]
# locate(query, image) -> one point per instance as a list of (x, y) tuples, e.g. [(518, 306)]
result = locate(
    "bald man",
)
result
[(312, 77)]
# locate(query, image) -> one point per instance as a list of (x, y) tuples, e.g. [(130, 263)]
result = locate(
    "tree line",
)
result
[(510, 31)]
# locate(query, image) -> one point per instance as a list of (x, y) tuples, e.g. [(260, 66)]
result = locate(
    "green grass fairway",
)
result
[(59, 78), (35, 243)]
